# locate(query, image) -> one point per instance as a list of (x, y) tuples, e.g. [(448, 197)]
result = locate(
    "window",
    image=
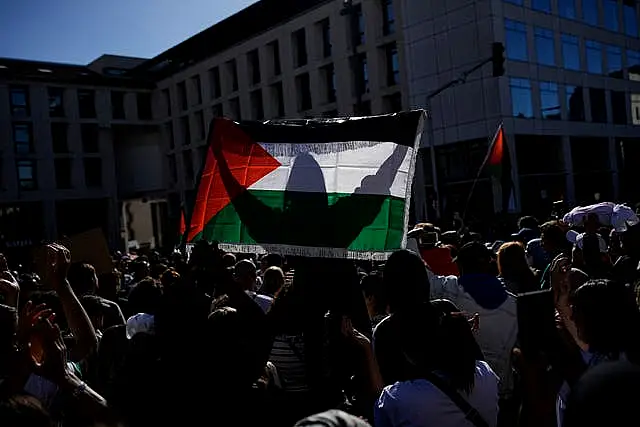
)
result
[(173, 170), (614, 62), (635, 108), (545, 47), (232, 69), (303, 89), (182, 96), (361, 74), (196, 84), (186, 130), (618, 107), (114, 72), (166, 98), (521, 98), (278, 99), (93, 172), (630, 17), (516, 40), (300, 48), (170, 135), (216, 110), (610, 14), (633, 64), (594, 57), (56, 102), (541, 5), (325, 37), (23, 138), (328, 76), (274, 50), (19, 100), (90, 138), (359, 21), (392, 103), (117, 105), (567, 8), (214, 83), (27, 174), (388, 18), (143, 101), (199, 118), (549, 102), (570, 52), (590, 11), (257, 108), (234, 109), (59, 140), (575, 103), (393, 65), (63, 169), (187, 161), (87, 104), (253, 60), (598, 105)]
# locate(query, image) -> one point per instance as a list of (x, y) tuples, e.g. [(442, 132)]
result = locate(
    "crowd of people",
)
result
[(539, 328)]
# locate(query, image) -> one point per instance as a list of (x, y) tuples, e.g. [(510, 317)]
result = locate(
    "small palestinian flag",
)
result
[(325, 188), (499, 165)]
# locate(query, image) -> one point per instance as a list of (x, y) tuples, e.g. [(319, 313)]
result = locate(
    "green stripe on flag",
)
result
[(307, 222)]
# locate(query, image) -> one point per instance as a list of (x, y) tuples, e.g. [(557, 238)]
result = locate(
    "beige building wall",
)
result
[(185, 151)]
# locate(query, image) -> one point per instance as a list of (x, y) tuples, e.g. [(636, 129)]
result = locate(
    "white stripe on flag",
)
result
[(341, 170)]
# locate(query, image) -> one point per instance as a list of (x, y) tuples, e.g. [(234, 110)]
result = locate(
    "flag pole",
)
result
[(482, 166)]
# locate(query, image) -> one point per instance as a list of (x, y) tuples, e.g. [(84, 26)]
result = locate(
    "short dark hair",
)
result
[(273, 260), (145, 297), (81, 277), (554, 233), (529, 222)]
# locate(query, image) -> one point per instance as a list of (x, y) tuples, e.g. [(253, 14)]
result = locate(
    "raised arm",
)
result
[(58, 260)]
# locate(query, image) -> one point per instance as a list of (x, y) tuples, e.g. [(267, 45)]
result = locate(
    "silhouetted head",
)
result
[(406, 282)]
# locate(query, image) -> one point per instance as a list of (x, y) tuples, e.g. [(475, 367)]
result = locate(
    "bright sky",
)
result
[(78, 31)]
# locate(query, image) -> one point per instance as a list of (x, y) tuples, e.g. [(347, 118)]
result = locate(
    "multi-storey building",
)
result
[(570, 99), (79, 143), (118, 143)]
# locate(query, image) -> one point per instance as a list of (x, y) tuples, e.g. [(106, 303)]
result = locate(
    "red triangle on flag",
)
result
[(247, 161)]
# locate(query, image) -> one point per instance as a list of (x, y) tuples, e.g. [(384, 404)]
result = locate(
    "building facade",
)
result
[(82, 146), (569, 99)]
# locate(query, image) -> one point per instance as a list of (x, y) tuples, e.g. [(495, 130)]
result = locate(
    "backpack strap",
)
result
[(469, 411)]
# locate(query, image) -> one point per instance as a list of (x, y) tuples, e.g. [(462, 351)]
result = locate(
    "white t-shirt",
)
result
[(419, 403), (263, 301)]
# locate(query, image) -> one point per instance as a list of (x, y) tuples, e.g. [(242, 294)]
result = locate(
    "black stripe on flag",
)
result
[(400, 128)]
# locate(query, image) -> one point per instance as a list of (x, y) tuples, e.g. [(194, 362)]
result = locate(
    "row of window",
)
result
[(227, 73), (24, 144), (613, 15), (551, 108), (599, 58), (20, 104), (27, 173), (328, 88)]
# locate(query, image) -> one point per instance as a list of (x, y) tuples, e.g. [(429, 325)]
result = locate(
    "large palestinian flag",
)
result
[(325, 187)]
